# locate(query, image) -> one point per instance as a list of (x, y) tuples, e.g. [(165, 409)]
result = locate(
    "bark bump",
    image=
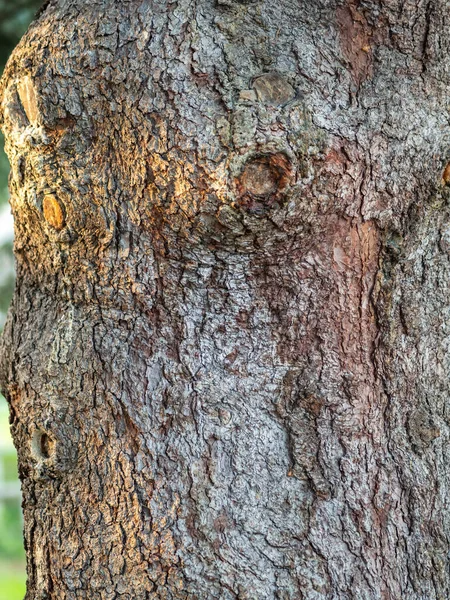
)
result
[(53, 212), (42, 445), (273, 88), (263, 181), (28, 98)]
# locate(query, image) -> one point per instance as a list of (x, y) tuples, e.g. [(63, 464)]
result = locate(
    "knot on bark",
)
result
[(263, 182), (42, 445), (53, 449), (53, 212), (28, 98), (273, 89)]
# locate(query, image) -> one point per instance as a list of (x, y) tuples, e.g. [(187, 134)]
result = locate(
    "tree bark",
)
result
[(227, 355)]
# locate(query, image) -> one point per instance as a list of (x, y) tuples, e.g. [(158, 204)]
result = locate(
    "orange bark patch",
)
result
[(53, 212), (446, 175), (355, 35)]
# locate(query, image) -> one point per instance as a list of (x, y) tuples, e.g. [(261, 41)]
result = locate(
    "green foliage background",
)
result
[(15, 16)]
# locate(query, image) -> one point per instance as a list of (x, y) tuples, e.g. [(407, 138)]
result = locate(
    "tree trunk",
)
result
[(227, 355)]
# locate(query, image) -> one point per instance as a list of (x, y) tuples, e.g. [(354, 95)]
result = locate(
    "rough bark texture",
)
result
[(227, 356)]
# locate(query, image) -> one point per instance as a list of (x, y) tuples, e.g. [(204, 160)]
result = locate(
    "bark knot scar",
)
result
[(28, 98), (53, 212), (42, 445), (263, 182), (272, 88)]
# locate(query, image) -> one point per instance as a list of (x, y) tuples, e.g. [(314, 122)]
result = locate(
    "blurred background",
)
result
[(15, 16)]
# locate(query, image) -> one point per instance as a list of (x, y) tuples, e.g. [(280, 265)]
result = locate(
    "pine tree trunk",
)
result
[(227, 355)]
